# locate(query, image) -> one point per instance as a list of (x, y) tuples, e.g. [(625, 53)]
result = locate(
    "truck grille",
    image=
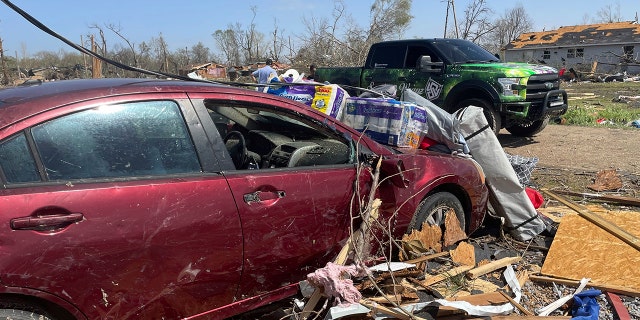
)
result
[(537, 88)]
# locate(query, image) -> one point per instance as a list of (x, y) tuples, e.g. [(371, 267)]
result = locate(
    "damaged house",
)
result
[(595, 48)]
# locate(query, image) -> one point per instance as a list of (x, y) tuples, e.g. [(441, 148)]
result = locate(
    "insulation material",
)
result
[(507, 196), (581, 249), (333, 278), (388, 121), (330, 100)]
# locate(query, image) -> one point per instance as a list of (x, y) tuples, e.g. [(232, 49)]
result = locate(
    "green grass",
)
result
[(589, 102)]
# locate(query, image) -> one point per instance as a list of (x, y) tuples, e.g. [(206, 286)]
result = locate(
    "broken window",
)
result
[(627, 51), (260, 138), (133, 139), (546, 54), (579, 52)]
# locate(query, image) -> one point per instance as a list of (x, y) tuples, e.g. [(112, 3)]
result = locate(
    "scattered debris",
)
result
[(606, 180)]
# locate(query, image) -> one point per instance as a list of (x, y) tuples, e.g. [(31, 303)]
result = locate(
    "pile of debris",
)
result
[(589, 269)]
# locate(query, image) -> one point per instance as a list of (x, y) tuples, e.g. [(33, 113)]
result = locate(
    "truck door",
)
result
[(399, 64)]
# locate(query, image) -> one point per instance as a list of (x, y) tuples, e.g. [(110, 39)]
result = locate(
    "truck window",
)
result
[(387, 57)]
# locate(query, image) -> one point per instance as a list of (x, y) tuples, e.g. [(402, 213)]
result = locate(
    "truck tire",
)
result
[(530, 129), (493, 116), (433, 208), (17, 314)]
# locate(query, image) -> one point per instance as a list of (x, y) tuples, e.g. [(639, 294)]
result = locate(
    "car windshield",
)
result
[(463, 51)]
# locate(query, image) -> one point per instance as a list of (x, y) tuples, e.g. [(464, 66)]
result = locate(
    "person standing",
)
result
[(262, 75)]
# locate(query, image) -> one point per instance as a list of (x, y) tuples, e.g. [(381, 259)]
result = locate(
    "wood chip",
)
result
[(464, 254), (606, 180)]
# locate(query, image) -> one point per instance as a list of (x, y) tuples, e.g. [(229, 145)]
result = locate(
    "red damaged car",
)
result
[(134, 198)]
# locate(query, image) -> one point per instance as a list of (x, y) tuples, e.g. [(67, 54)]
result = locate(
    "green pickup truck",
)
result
[(455, 73)]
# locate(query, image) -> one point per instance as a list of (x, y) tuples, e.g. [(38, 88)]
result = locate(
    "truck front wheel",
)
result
[(529, 129), (493, 116)]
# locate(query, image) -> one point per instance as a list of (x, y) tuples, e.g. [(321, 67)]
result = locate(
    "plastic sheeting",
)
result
[(506, 195)]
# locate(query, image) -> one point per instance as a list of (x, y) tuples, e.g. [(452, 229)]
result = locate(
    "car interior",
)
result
[(260, 138)]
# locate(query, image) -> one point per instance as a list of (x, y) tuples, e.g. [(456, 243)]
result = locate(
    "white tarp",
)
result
[(506, 195)]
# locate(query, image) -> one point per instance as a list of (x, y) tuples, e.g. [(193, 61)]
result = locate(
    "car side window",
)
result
[(17, 163), (260, 138), (124, 140)]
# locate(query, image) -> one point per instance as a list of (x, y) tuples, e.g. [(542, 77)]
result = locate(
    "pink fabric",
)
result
[(334, 279)]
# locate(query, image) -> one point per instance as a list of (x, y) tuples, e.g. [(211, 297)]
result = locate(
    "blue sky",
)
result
[(185, 23)]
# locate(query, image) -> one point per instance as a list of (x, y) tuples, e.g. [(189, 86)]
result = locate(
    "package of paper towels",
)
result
[(388, 121), (330, 100)]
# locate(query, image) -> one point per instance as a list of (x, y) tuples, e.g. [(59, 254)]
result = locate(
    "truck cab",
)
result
[(455, 73)]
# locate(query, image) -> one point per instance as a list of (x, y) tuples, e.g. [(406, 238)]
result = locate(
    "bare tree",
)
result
[(508, 28), (610, 13), (118, 31), (228, 42), (476, 23), (340, 41), (200, 53)]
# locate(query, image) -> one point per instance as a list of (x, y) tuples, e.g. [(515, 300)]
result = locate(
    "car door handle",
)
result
[(45, 222), (402, 78), (368, 78), (260, 196)]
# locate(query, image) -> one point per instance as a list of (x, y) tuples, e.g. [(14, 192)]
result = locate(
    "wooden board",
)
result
[(581, 249)]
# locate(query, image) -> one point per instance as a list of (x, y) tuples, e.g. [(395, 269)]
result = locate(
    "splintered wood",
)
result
[(452, 230), (581, 249)]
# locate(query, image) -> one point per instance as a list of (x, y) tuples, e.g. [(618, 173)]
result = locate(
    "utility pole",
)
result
[(18, 66), (5, 76), (97, 64), (451, 5)]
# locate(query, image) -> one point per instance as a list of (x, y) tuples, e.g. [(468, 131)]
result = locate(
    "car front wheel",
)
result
[(433, 209)]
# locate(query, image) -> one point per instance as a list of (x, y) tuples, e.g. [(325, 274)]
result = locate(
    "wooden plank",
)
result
[(609, 198), (492, 266), (599, 221), (618, 306), (517, 305), (382, 309), (445, 275), (575, 283)]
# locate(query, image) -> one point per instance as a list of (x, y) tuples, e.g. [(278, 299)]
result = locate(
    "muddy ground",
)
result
[(570, 156)]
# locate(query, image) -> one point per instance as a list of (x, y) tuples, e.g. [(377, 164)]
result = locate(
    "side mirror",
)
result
[(426, 65)]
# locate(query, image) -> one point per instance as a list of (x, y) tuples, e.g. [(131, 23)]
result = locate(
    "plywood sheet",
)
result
[(581, 249)]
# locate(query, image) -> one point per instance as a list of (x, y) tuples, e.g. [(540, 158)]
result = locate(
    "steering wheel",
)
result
[(237, 147)]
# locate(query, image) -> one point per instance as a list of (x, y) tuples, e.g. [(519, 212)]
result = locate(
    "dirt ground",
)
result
[(570, 156)]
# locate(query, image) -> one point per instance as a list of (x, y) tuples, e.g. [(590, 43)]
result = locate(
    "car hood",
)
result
[(510, 69)]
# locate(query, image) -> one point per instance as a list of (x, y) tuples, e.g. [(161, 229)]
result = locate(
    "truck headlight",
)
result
[(510, 86)]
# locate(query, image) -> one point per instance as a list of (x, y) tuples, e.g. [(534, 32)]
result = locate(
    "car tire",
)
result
[(433, 208), (17, 314), (530, 129), (492, 116)]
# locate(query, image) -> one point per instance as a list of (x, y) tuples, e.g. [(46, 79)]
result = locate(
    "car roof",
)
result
[(17, 103)]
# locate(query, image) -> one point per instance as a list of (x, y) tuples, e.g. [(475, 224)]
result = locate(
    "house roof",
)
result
[(582, 35)]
